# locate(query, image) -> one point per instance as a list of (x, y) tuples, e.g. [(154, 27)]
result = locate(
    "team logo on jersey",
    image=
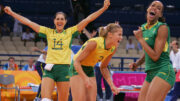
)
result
[(67, 77), (146, 38)]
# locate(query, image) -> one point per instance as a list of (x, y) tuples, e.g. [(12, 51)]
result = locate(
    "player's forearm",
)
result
[(96, 14), (106, 75), (141, 60), (90, 18), (22, 19), (26, 21)]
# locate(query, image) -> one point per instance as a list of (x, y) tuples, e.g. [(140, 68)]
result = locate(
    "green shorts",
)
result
[(59, 73), (166, 73), (88, 70)]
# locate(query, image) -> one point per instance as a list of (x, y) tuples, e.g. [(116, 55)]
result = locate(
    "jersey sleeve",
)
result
[(44, 31), (73, 31)]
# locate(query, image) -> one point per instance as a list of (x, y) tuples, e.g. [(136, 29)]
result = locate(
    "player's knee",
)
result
[(46, 99)]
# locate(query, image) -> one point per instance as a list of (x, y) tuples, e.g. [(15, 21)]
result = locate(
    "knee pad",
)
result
[(46, 99)]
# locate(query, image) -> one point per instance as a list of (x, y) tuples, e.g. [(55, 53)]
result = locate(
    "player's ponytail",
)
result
[(102, 32), (112, 27), (162, 19)]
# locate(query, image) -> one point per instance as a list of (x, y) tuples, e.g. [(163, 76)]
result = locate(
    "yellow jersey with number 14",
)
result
[(59, 44), (97, 55)]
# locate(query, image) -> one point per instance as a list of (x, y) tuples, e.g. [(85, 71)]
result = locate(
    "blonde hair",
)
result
[(112, 27)]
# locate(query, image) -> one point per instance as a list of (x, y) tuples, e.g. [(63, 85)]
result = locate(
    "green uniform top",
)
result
[(149, 36)]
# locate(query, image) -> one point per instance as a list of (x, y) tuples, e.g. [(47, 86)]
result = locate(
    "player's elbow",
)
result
[(155, 58)]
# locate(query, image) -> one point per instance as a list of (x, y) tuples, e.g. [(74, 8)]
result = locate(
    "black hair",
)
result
[(65, 16), (160, 19), (11, 58)]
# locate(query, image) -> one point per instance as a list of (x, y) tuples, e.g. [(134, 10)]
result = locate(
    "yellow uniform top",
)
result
[(97, 55), (59, 44)]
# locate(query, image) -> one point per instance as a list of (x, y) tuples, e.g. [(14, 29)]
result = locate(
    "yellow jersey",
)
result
[(59, 44), (97, 55)]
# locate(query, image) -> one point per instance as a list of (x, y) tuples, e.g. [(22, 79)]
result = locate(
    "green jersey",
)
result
[(149, 36)]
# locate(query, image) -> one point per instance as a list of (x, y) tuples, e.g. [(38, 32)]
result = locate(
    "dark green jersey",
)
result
[(149, 36)]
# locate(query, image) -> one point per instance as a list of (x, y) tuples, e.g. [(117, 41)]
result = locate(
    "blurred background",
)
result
[(129, 13), (17, 40)]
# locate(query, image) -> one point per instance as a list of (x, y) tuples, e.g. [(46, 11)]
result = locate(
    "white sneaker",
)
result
[(37, 99)]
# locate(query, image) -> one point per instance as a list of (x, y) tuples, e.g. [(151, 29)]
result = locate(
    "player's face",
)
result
[(117, 37), (154, 11), (60, 22)]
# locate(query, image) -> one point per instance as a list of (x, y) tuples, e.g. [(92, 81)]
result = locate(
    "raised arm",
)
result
[(106, 74), (93, 16), (22, 19), (86, 51), (160, 42)]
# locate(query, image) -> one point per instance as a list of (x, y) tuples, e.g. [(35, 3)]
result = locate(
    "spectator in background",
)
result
[(5, 30), (139, 47), (30, 66), (87, 35), (175, 58), (39, 38), (130, 45), (10, 65), (27, 36), (78, 12), (81, 10), (17, 30), (90, 34), (174, 46)]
